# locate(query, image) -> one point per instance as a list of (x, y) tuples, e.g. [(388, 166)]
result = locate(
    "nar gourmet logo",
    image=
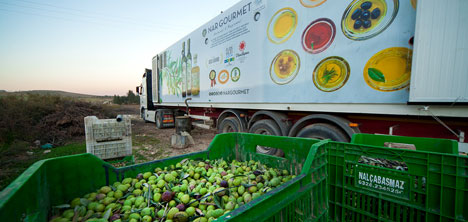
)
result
[(242, 46)]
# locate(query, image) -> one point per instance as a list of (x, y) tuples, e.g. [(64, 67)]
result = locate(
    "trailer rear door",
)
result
[(440, 60), (156, 65)]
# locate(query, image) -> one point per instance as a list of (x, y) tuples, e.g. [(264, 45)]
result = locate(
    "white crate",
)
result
[(108, 138)]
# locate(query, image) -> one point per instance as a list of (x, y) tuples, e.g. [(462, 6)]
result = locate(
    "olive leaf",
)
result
[(75, 216), (182, 174), (84, 201), (107, 214), (218, 201), (240, 175), (199, 211), (62, 206), (88, 215), (135, 210), (167, 187), (184, 161), (126, 195), (376, 75), (233, 168), (155, 203)]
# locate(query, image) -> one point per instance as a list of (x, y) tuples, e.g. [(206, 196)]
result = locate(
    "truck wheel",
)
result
[(158, 120), (229, 125), (323, 131), (267, 127)]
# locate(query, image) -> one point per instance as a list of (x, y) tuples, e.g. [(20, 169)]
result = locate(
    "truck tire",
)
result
[(158, 120), (323, 131), (229, 125), (267, 127)]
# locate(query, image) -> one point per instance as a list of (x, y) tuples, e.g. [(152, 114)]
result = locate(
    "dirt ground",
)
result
[(150, 143)]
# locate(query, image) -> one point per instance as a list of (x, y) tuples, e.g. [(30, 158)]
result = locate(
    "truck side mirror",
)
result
[(138, 89)]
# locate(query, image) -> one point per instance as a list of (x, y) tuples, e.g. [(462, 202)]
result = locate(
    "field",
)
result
[(77, 96), (59, 121)]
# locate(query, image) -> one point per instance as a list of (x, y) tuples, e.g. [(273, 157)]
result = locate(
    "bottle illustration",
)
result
[(195, 77), (184, 71), (189, 69)]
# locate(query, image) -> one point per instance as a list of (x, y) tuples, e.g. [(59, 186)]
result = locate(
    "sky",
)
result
[(98, 47)]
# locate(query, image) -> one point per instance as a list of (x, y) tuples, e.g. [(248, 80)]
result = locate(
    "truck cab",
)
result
[(144, 90)]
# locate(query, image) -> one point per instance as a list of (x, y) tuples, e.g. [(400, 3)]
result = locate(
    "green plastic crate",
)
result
[(421, 143), (305, 198), (434, 187)]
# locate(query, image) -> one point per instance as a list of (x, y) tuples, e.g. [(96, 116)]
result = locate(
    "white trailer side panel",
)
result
[(269, 51), (440, 59)]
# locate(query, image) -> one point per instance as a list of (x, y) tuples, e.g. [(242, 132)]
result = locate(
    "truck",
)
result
[(320, 69)]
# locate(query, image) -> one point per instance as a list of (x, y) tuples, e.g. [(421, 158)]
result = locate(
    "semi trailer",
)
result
[(319, 68)]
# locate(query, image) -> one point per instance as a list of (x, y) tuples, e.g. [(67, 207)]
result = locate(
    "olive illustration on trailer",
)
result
[(364, 19)]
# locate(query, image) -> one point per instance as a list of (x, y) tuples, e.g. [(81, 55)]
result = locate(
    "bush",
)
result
[(54, 119)]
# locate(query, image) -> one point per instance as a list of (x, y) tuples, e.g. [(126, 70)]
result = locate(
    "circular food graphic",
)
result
[(235, 74), (312, 3), (318, 36), (223, 76), (331, 74), (389, 69), (284, 67), (364, 19), (282, 25)]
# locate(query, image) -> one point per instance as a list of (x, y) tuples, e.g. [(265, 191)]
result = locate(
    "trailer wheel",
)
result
[(323, 131), (229, 125), (158, 120), (267, 127)]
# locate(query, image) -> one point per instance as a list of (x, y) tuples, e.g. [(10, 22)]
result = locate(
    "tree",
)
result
[(131, 98)]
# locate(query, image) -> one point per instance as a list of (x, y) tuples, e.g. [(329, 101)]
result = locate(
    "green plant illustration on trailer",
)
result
[(171, 77)]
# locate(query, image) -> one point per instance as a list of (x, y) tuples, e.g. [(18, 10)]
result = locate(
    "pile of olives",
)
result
[(191, 190), (363, 17)]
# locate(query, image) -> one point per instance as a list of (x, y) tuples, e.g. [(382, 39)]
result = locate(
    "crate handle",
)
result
[(257, 147), (375, 152), (381, 162)]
